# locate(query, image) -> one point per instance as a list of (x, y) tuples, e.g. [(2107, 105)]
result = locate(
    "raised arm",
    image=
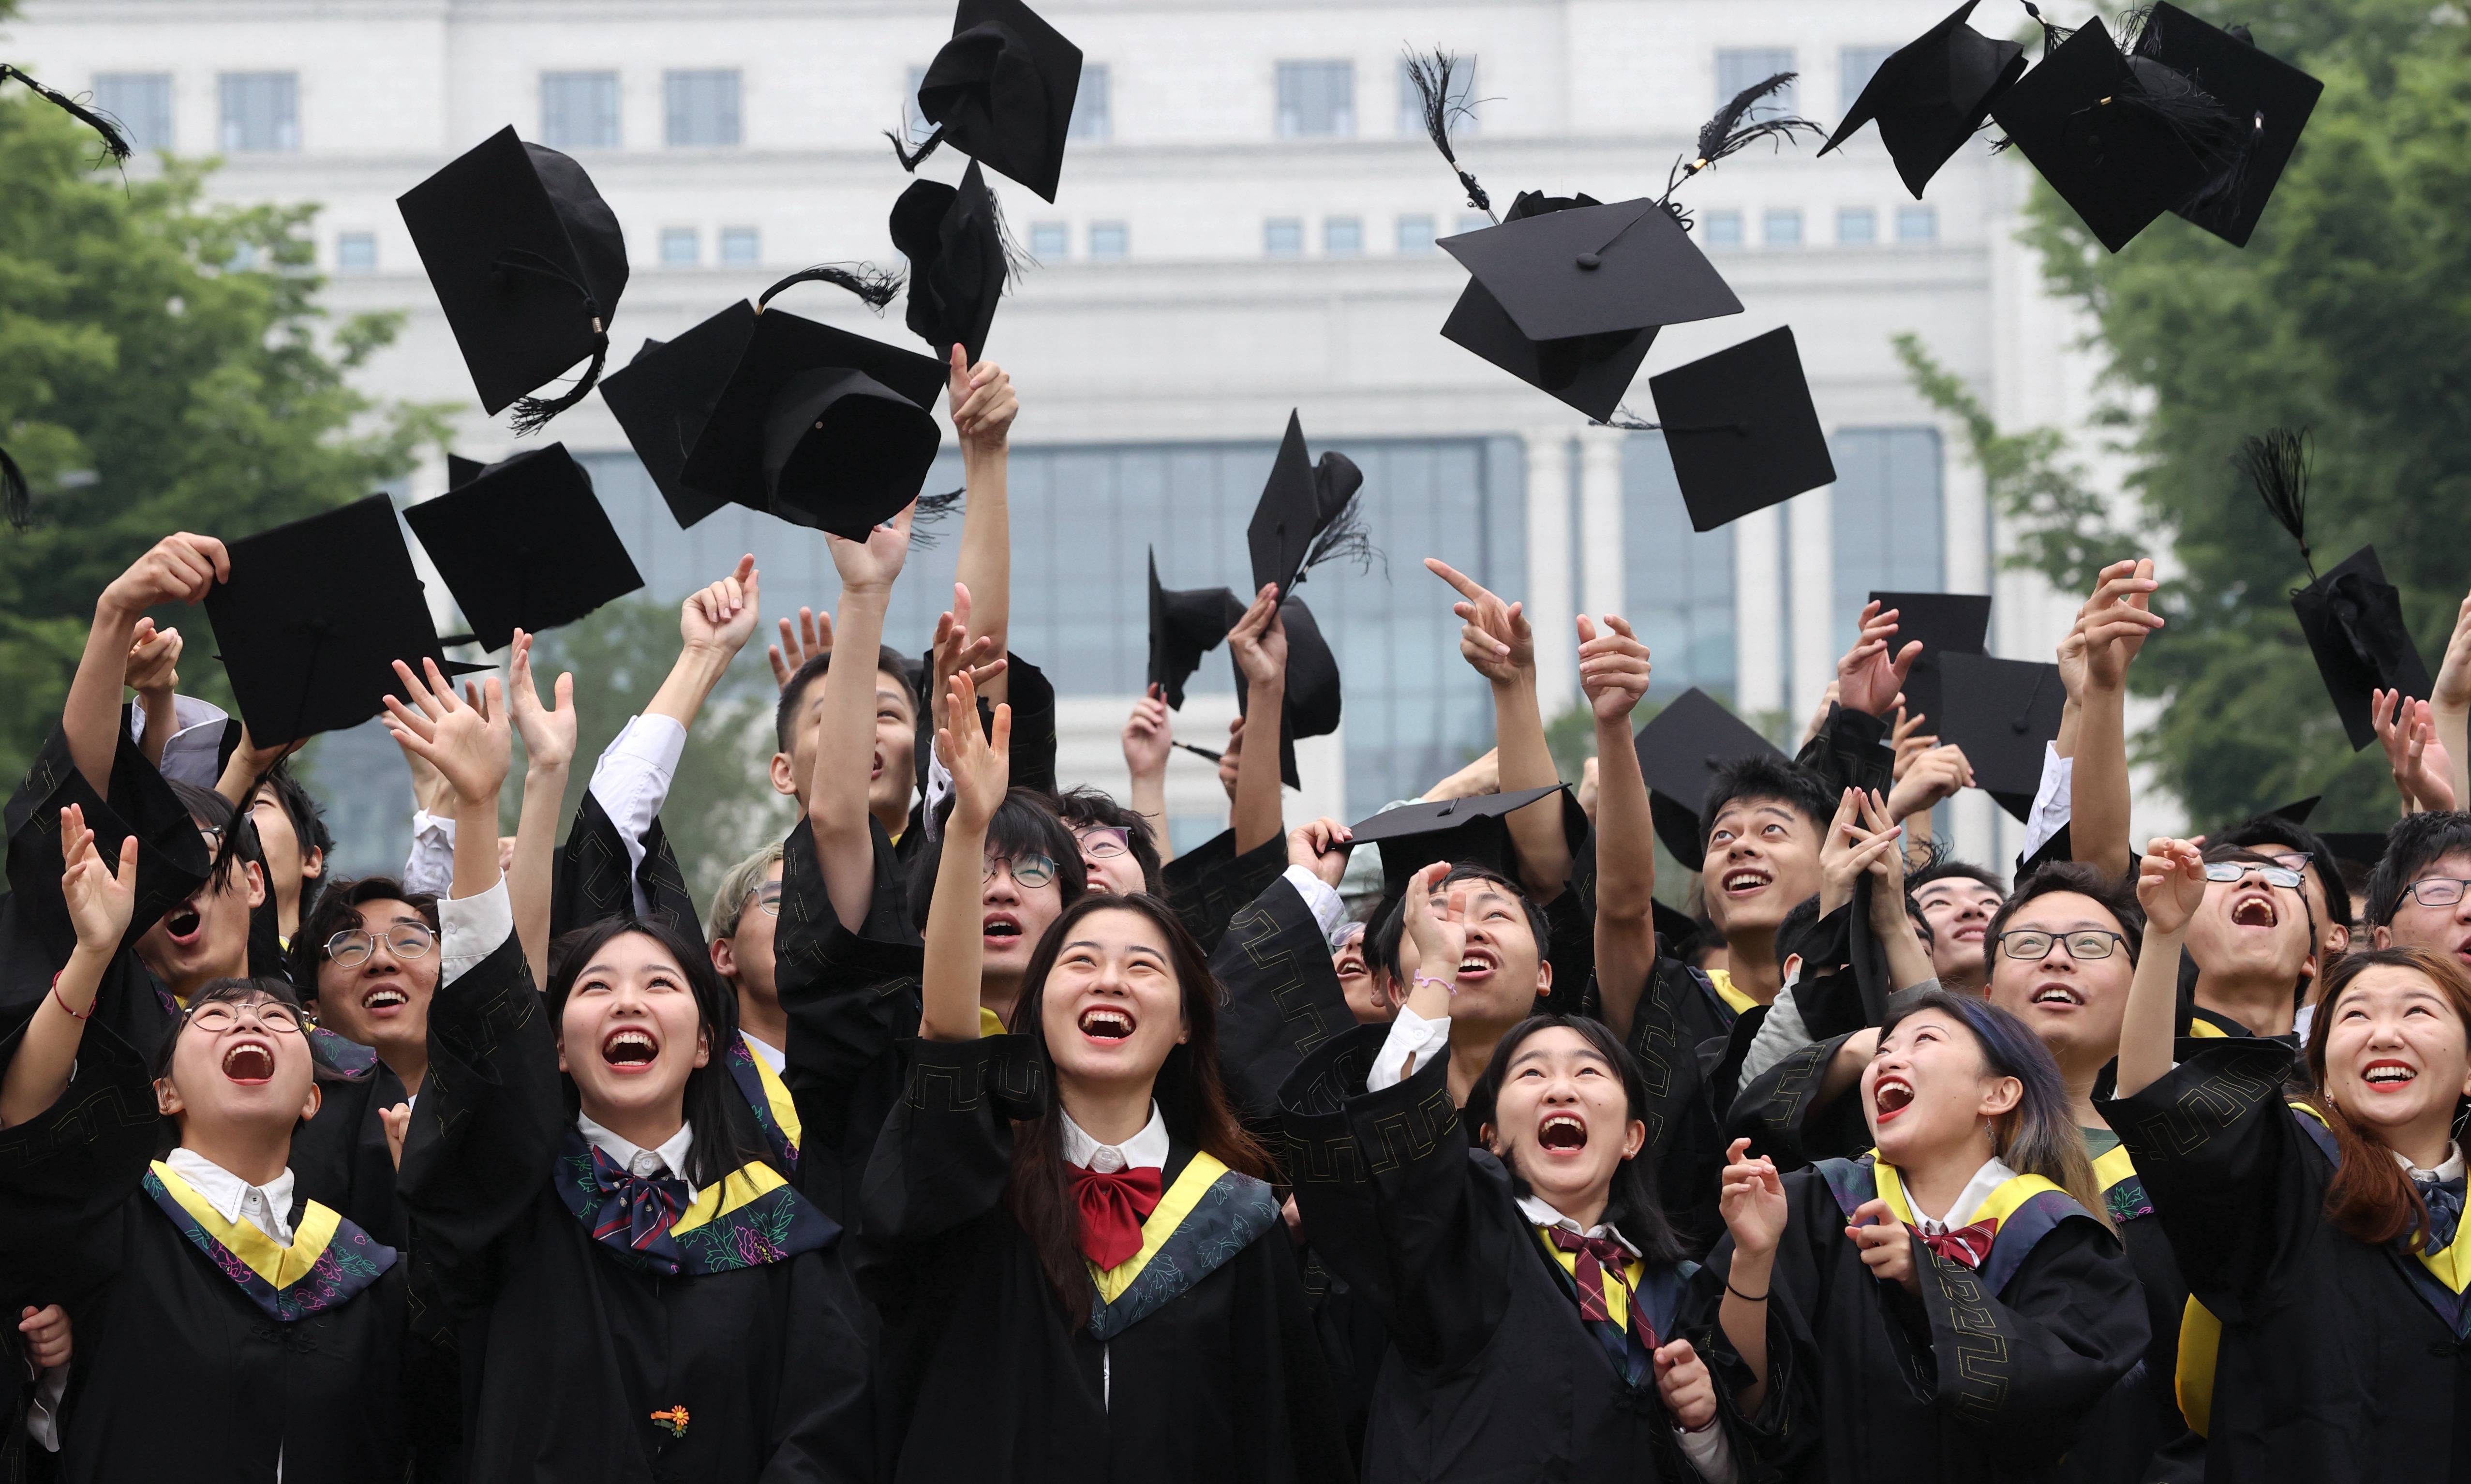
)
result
[(1149, 735), (152, 657), (549, 753), (982, 768), (2170, 885), (1259, 643), (472, 746), (2116, 622), (2450, 703), (1496, 639), (983, 406), (180, 568), (837, 791), (2423, 771), (1754, 1209), (100, 902), (1613, 670), (713, 623)]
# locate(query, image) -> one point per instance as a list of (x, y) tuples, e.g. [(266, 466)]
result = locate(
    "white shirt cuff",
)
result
[(470, 929), (2051, 800), (430, 865), (1329, 913), (1710, 1451), (1411, 1035)]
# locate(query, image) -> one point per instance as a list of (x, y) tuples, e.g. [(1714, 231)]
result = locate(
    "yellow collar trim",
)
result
[(990, 1024), (749, 1182), (776, 1094), (279, 1266), (2451, 1266), (1173, 1207), (1999, 1205), (2112, 1169), (1723, 979), (2201, 1029)]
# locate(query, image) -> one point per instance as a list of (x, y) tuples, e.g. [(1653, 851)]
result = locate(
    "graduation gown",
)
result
[(1196, 1364), (1491, 1372), (2337, 1360), (1209, 885), (593, 881), (1985, 1375), (1682, 1036), (578, 1364)]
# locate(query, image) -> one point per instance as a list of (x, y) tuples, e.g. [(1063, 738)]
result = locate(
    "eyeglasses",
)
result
[(1028, 872), (2233, 870), (2437, 891), (2296, 859), (767, 898), (214, 1017), (352, 947), (1104, 842), (2033, 946)]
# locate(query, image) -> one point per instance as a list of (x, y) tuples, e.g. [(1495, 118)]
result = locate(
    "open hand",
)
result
[(812, 636), (1926, 777), (100, 898), (1440, 938), (1858, 838), (1871, 674), (1613, 668), (473, 745), (1751, 1201), (955, 649), (1494, 636), (981, 766), (2170, 884), (2116, 622), (2422, 771), (547, 732)]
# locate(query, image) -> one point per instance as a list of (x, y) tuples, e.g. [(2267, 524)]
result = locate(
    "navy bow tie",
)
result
[(2444, 1199), (634, 1212)]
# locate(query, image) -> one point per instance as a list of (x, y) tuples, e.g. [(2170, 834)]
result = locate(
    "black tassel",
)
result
[(113, 139), (2054, 36), (1727, 134), (932, 509), (533, 413), (1431, 76), (17, 496), (1203, 753), (2276, 463), (1016, 260), (874, 287), (1345, 538), (909, 158), (1626, 420)]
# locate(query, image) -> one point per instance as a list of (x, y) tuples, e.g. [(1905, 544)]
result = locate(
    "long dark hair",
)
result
[(1632, 1205), (725, 1133), (2039, 1135), (2371, 1197), (1188, 1091)]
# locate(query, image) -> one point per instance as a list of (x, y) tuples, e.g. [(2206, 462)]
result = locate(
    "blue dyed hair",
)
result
[(2039, 1136)]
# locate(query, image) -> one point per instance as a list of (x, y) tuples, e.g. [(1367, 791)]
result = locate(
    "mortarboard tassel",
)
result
[(909, 158), (113, 139), (2276, 463), (1727, 134), (1431, 76), (2054, 36), (874, 287), (17, 496), (932, 509), (533, 413), (1016, 260), (1344, 536)]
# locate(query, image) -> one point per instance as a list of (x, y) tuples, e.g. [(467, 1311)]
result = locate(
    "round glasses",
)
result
[(1028, 872), (2084, 946), (1103, 842), (352, 947), (2233, 870), (767, 898), (218, 1016), (2437, 891)]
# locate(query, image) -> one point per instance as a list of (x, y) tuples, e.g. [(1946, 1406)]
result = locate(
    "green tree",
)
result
[(163, 366)]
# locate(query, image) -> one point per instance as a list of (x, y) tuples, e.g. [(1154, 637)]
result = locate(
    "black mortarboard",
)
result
[(313, 618), (2353, 619), (2272, 97), (1679, 750), (2298, 812), (1567, 296), (524, 544), (2098, 137), (1311, 704), (1002, 91), (1305, 514), (2002, 712), (1932, 94), (2361, 848), (1945, 624), (528, 262), (1185, 625), (1470, 831), (1741, 429), (955, 243)]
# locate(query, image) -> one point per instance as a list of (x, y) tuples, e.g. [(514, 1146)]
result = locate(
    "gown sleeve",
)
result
[(63, 1172), (1678, 1033), (1280, 997), (1782, 1114), (1208, 886), (1847, 753), (823, 1423)]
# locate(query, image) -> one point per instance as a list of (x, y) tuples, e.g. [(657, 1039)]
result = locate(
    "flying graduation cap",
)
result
[(1002, 91), (1679, 753), (523, 544), (1742, 430), (1185, 625), (528, 262), (1459, 831), (2001, 711), (2274, 98), (1307, 514), (1932, 94), (953, 239), (1311, 707), (1945, 624)]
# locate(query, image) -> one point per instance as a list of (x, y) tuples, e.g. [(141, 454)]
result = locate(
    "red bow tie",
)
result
[(1967, 1244), (1112, 1207)]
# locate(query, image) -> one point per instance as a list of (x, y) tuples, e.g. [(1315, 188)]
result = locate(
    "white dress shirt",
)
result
[(1329, 912), (2051, 800), (632, 781), (1144, 1150), (2451, 1169), (773, 1056), (669, 1160), (265, 1207), (1411, 1036)]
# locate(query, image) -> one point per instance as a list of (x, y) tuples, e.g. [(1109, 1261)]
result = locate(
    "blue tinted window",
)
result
[(1887, 514), (1679, 582)]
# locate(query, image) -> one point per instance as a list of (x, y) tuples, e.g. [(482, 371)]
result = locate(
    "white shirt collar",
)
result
[(1993, 1173), (773, 1056), (670, 1159), (1543, 1213), (267, 1207), (1144, 1150), (2451, 1169)]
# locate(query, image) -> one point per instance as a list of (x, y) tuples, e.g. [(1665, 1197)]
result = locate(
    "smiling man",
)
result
[(1763, 820), (2420, 894), (2254, 943)]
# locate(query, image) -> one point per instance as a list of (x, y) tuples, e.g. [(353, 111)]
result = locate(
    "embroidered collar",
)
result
[(767, 1095), (228, 1193), (328, 1261), (751, 1218), (1206, 1217)]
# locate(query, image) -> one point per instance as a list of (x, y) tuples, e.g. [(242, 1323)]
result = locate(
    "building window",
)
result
[(1738, 68), (1342, 237), (1282, 237), (740, 246), (1856, 226), (1091, 119), (1680, 581), (580, 110), (1855, 66), (703, 108), (355, 252), (1316, 99), (142, 103), (1917, 223), (1886, 517), (261, 112), (1780, 229), (1109, 239), (1415, 236), (681, 247), (1721, 228), (1049, 239), (1463, 101)]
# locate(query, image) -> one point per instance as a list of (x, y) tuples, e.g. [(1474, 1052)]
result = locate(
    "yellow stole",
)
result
[(990, 1024), (776, 1096), (1998, 1206), (1723, 979), (280, 1266), (748, 1183), (1172, 1208)]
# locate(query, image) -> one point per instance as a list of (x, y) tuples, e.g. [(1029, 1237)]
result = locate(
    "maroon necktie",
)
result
[(1967, 1244), (1112, 1206), (1591, 1257)]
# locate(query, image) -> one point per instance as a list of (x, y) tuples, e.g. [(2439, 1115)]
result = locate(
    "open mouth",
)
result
[(1563, 1133), (384, 999), (999, 929), (1971, 933), (1106, 1023), (1745, 881), (183, 923), (2254, 913), (2386, 1076), (250, 1063), (1476, 963), (2056, 994), (629, 1048), (1892, 1097)]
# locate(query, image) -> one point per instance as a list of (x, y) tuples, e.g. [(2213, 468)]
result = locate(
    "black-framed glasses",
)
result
[(2437, 890), (217, 1016), (2233, 870), (352, 947), (2085, 945), (1029, 872), (1104, 842)]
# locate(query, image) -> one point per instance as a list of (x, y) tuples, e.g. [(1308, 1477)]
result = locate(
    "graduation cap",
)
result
[(528, 262), (1306, 514), (523, 544), (953, 239), (1310, 706), (1459, 831), (1567, 296), (1679, 750), (1185, 625), (2271, 96), (313, 618), (1945, 624), (1932, 94), (2002, 712), (2121, 146), (1742, 430), (2298, 812), (2361, 848), (1002, 91)]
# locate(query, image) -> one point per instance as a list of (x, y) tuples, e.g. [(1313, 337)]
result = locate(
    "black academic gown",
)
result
[(2338, 1360), (1982, 1376), (1680, 1034), (594, 883), (1490, 1373), (986, 1378), (1209, 885), (567, 1352)]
